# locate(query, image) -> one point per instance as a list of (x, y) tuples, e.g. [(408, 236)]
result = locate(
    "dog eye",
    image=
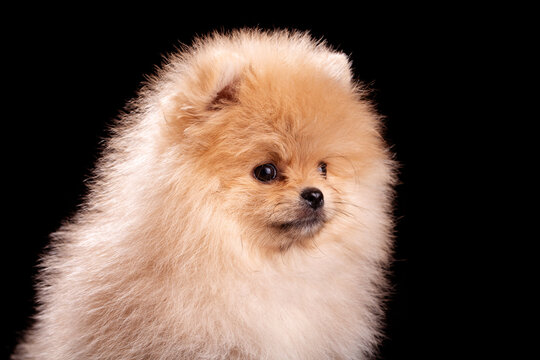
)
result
[(265, 172), (322, 169)]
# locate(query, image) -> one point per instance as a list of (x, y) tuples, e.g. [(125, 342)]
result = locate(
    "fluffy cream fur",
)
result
[(179, 252)]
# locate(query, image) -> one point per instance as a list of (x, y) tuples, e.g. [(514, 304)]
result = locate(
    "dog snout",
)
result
[(313, 197)]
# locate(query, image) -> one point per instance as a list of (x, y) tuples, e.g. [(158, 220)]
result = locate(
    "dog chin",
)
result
[(302, 227)]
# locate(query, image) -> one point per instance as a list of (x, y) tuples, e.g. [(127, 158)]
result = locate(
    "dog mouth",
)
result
[(304, 225)]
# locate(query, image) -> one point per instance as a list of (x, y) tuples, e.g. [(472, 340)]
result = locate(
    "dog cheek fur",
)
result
[(155, 264)]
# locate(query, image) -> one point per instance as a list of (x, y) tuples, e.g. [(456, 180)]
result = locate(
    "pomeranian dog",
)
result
[(241, 210)]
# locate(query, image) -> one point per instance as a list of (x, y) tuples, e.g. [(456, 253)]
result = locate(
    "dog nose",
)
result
[(313, 197)]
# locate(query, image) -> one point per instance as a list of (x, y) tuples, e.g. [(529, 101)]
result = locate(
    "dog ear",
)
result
[(223, 73), (338, 66), (226, 93), (211, 83)]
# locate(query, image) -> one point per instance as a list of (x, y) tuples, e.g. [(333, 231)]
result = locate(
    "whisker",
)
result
[(341, 202), (274, 209)]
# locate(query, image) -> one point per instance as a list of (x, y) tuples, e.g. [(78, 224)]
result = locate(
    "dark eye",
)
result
[(265, 172), (322, 169)]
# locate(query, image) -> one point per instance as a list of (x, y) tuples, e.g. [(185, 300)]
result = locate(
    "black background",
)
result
[(69, 73)]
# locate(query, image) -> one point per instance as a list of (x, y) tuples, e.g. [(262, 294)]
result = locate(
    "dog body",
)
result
[(240, 211)]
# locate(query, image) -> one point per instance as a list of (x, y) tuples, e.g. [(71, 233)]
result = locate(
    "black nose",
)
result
[(313, 197)]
